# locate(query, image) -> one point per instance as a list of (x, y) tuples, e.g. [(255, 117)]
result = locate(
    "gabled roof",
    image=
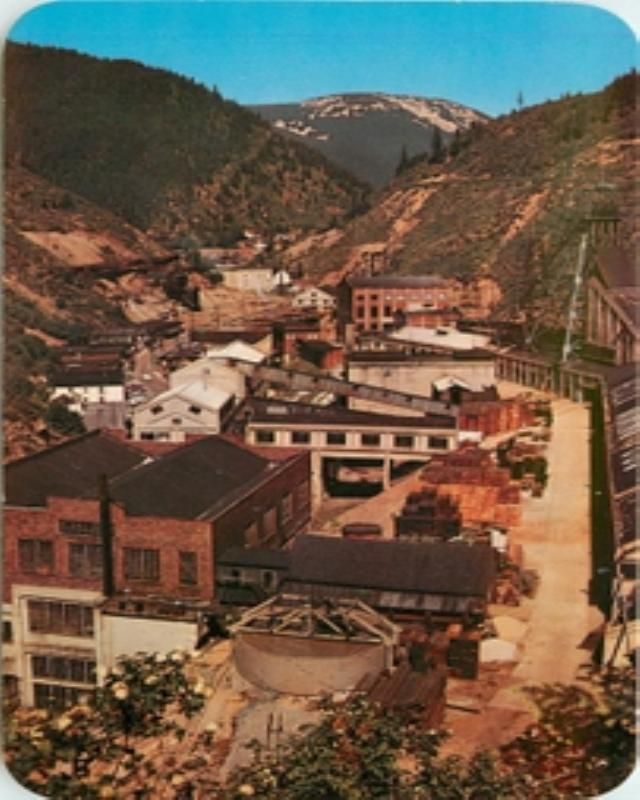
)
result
[(69, 469), (392, 565), (239, 350), (198, 393), (194, 482)]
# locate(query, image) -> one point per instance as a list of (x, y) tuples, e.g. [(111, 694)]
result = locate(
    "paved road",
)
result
[(555, 536)]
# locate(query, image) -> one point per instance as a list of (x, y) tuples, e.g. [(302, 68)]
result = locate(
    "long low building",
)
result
[(414, 369), (622, 639), (340, 435), (399, 578)]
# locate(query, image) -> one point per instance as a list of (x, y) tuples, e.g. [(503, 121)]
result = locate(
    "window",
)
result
[(286, 508), (141, 565), (302, 496), (35, 555), (176, 421), (267, 579), (360, 312), (374, 311), (402, 440), (52, 695), (370, 439), (188, 568), (335, 437), (388, 311), (265, 437), (251, 535), (147, 436), (439, 442), (62, 668), (269, 523), (195, 409), (85, 560), (300, 437), (7, 631), (68, 619), (78, 527)]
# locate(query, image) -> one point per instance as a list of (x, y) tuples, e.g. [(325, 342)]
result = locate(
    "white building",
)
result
[(253, 279), (313, 297), (86, 387), (192, 408), (447, 337)]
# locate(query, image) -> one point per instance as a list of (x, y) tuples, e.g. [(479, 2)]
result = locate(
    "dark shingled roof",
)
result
[(194, 482), (68, 470), (391, 565), (88, 377), (260, 557)]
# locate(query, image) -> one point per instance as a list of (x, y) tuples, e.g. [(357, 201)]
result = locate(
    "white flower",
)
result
[(160, 658), (199, 687), (211, 727), (246, 790), (177, 657), (120, 691), (150, 680), (63, 722)]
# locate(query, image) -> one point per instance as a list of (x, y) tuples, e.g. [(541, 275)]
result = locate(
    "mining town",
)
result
[(259, 471)]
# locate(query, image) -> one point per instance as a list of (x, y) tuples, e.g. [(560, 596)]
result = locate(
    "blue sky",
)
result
[(479, 54)]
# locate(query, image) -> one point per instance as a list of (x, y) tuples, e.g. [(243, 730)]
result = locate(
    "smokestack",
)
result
[(106, 535)]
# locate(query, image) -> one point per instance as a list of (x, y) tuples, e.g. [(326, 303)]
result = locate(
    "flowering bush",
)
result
[(101, 746)]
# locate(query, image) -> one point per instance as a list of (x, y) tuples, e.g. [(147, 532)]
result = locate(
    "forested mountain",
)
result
[(165, 153)]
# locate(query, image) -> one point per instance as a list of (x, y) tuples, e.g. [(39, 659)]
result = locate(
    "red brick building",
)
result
[(76, 556), (377, 299)]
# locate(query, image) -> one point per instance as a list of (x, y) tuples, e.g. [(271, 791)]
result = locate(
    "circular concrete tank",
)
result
[(306, 666)]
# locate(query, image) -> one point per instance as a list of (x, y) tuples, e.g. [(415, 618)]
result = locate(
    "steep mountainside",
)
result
[(370, 134), (511, 201), (163, 152), (50, 235)]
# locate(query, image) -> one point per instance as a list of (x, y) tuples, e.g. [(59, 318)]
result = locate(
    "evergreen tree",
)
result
[(438, 151)]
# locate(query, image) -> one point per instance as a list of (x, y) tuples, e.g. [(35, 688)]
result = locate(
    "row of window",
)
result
[(400, 440), (85, 561), (66, 619), (56, 696), (409, 293), (61, 668)]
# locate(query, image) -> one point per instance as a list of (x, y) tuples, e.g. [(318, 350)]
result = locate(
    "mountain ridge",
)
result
[(368, 133)]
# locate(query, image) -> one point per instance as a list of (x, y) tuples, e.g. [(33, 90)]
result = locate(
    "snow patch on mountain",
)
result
[(444, 114)]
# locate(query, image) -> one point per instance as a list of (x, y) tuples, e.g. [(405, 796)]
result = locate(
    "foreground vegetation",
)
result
[(133, 739)]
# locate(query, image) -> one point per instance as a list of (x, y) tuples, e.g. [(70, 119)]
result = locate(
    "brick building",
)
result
[(91, 573), (377, 299)]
